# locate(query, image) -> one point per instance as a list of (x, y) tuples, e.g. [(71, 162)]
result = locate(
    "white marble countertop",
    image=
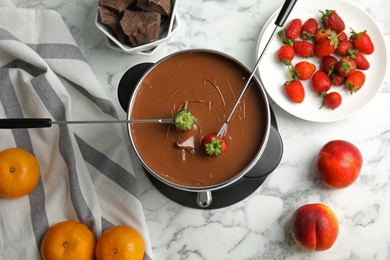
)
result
[(257, 227)]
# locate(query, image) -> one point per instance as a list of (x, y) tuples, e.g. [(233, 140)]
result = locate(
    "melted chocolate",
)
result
[(208, 84)]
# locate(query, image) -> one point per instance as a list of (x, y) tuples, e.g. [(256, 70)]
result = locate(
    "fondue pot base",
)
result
[(223, 197)]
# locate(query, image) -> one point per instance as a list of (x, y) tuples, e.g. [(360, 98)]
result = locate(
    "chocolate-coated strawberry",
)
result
[(355, 81), (362, 42), (302, 70), (184, 120), (303, 49), (309, 29), (285, 54), (214, 145), (294, 91), (331, 19)]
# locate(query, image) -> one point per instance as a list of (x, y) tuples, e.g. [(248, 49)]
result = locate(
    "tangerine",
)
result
[(120, 242), (68, 240), (19, 172)]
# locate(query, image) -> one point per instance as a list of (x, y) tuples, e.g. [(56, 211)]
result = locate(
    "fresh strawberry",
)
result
[(346, 66), (343, 47), (322, 33), (286, 54), (342, 36), (303, 49), (331, 19), (291, 32), (320, 82), (355, 81), (328, 64), (337, 79), (214, 145), (184, 120), (361, 62), (326, 46), (362, 42), (309, 29), (294, 91), (332, 100), (302, 70)]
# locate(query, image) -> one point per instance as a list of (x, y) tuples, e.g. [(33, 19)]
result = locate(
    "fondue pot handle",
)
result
[(129, 82), (204, 199)]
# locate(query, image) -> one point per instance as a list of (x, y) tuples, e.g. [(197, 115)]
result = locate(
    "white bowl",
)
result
[(168, 28)]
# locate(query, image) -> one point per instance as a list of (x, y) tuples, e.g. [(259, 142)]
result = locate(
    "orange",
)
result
[(120, 242), (68, 240), (19, 172)]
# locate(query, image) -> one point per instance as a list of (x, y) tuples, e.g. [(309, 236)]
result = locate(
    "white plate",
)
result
[(274, 74)]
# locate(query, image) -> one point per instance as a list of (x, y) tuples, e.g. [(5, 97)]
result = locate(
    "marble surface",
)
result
[(257, 227)]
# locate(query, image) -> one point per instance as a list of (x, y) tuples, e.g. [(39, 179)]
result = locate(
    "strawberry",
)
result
[(184, 120), (343, 47), (303, 49), (309, 29), (326, 46), (291, 32), (362, 42), (332, 100), (321, 33), (355, 81), (328, 64), (330, 19), (337, 79), (361, 61), (294, 91), (302, 70), (285, 54), (214, 145), (320, 82), (342, 36), (346, 66)]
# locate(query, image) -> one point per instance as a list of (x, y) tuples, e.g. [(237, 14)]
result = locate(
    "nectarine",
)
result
[(314, 227), (338, 164)]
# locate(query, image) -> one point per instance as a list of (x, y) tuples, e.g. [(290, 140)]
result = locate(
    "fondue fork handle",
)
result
[(280, 20), (12, 123)]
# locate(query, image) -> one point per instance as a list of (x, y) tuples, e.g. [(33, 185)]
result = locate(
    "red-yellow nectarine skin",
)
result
[(314, 227), (338, 164)]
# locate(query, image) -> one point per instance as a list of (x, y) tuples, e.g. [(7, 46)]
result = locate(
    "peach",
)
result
[(314, 227), (338, 164)]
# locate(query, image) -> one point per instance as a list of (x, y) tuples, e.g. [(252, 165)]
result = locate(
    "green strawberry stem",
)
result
[(214, 147), (184, 120)]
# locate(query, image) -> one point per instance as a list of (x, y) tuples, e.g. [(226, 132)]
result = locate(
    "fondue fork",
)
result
[(280, 20), (11, 123)]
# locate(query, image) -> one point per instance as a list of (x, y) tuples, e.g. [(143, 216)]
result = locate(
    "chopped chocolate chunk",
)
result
[(111, 19), (164, 7), (116, 5), (141, 27)]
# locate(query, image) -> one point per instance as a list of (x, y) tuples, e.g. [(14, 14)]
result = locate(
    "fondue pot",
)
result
[(138, 87)]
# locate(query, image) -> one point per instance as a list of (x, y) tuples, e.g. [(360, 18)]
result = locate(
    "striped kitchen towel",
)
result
[(86, 170)]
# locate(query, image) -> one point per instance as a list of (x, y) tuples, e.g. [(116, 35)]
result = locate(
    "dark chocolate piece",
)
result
[(111, 19), (141, 27), (116, 5), (164, 7)]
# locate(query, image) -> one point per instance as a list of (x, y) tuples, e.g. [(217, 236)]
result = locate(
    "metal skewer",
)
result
[(11, 123), (280, 20)]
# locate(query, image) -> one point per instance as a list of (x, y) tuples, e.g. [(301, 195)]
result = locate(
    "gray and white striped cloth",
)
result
[(86, 170)]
